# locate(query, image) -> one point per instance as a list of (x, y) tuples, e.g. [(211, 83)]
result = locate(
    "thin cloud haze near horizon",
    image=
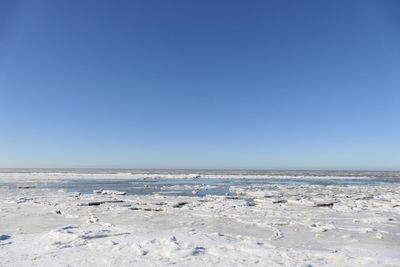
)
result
[(178, 84)]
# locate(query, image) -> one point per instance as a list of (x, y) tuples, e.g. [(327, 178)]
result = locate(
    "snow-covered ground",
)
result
[(263, 225)]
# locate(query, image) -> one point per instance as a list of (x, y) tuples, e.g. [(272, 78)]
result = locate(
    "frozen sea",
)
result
[(189, 182), (82, 217)]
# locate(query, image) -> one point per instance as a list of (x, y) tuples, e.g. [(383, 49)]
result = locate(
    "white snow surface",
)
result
[(270, 225)]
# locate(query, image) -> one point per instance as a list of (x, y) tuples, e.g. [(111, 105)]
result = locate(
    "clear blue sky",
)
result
[(200, 84)]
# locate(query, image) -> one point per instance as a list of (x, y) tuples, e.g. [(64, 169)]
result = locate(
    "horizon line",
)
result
[(196, 169)]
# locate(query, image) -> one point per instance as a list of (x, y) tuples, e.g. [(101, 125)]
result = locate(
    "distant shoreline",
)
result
[(64, 173)]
